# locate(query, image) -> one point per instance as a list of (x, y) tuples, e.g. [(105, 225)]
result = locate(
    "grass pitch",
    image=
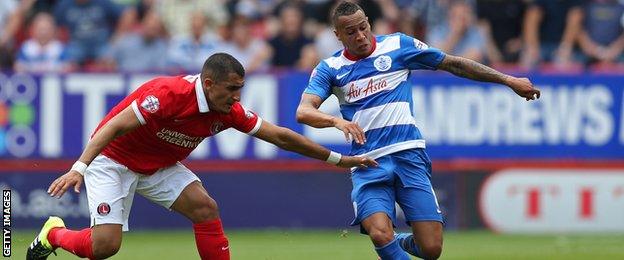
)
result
[(336, 244)]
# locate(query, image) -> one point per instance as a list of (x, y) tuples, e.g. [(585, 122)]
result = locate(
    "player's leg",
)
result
[(178, 189), (373, 201), (417, 199), (381, 232), (110, 190)]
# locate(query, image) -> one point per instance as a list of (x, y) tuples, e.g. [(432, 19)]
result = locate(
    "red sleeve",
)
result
[(245, 120), (156, 100)]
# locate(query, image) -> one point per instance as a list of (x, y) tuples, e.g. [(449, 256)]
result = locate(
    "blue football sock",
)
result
[(406, 241), (391, 251)]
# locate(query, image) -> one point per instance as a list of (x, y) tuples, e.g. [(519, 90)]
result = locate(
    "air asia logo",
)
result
[(216, 127), (150, 104), (103, 209), (372, 86), (383, 63)]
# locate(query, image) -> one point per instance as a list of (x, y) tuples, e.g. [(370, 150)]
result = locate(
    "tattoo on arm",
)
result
[(470, 69)]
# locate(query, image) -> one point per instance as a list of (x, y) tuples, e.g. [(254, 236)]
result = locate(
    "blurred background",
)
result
[(546, 172)]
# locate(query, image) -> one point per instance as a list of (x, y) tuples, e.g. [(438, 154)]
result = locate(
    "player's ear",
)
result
[(208, 82)]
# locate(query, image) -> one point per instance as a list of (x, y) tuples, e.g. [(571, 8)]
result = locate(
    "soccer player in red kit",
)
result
[(138, 146)]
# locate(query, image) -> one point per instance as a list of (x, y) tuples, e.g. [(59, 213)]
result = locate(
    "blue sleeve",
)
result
[(320, 81), (418, 55)]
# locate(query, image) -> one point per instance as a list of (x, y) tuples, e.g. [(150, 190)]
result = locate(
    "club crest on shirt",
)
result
[(420, 45), (151, 104), (383, 63), (103, 209), (216, 127)]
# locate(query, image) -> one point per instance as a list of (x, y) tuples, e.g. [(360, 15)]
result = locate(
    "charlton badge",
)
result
[(103, 209)]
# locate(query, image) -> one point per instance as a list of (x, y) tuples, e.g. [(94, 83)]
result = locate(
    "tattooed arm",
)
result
[(473, 70)]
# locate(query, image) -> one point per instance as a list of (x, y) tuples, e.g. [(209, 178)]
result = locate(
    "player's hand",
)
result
[(351, 130), (61, 184), (356, 161), (523, 87)]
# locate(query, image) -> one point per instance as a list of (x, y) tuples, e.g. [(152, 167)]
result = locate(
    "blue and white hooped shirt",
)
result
[(375, 92)]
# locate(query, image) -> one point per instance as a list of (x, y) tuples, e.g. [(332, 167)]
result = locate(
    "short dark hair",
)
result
[(345, 8), (219, 65)]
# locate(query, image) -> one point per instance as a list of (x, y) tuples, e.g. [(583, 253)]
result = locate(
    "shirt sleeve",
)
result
[(320, 81), (418, 55), (154, 103), (245, 120)]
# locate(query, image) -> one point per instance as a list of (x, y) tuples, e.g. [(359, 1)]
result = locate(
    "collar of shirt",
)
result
[(201, 96), (352, 57)]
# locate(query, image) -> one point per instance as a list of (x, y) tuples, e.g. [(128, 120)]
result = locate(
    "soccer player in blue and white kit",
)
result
[(370, 79)]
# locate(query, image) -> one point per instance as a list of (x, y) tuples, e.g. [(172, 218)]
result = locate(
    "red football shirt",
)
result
[(175, 118)]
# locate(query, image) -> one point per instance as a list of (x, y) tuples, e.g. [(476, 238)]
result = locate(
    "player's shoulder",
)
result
[(168, 87), (238, 110)]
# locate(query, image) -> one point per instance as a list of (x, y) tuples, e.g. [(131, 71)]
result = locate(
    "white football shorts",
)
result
[(111, 187)]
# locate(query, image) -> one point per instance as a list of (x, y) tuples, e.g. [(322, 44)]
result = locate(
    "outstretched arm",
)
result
[(289, 140), (122, 123), (308, 113), (470, 69)]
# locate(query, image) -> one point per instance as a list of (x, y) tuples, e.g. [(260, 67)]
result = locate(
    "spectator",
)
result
[(291, 48), (141, 51), (602, 37), (433, 13), (501, 22), (549, 31), (43, 52), (188, 52), (91, 23), (325, 40), (11, 16), (172, 11), (253, 53), (459, 35)]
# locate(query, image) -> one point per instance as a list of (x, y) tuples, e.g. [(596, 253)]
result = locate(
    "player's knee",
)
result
[(381, 236), (431, 250), (106, 248), (205, 209)]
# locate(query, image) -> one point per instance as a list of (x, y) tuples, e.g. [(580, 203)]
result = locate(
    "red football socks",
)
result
[(75, 242), (211, 242)]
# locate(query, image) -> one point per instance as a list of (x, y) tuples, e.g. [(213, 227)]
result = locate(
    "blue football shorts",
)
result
[(403, 177)]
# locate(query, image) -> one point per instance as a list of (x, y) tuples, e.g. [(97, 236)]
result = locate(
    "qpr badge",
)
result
[(150, 104), (383, 63), (103, 209)]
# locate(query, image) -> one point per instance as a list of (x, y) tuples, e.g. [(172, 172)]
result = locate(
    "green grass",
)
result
[(336, 244)]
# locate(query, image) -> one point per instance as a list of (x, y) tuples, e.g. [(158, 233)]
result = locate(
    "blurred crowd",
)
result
[(171, 36)]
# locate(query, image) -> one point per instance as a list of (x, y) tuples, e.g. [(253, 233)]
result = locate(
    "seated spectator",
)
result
[(253, 53), (173, 11), (188, 52), (142, 51), (11, 17), (550, 29), (42, 52), (291, 48), (459, 35), (501, 22), (602, 37), (91, 24)]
